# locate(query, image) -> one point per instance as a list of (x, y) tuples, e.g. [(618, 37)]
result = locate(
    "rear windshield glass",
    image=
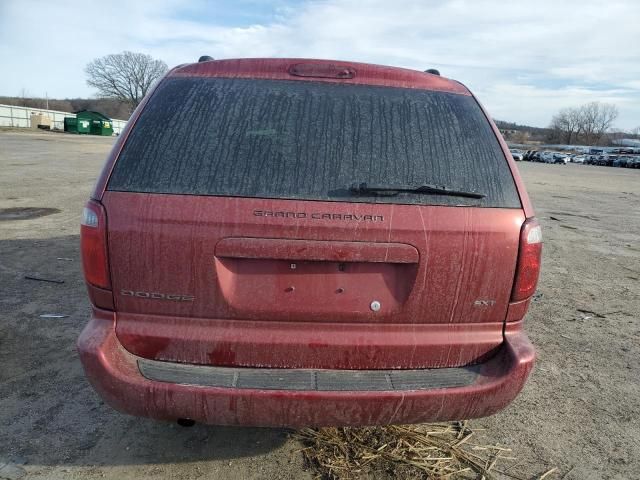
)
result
[(312, 140)]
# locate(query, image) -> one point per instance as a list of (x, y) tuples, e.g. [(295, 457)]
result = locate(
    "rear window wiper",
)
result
[(390, 191)]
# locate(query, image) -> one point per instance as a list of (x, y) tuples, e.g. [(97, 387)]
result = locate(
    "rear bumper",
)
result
[(116, 376)]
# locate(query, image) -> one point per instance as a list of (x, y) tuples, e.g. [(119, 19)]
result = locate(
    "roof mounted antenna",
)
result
[(433, 71), (205, 58)]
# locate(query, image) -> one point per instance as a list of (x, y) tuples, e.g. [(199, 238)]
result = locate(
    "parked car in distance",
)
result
[(620, 162), (554, 157), (577, 159), (547, 157), (560, 158), (517, 155), (250, 260), (607, 160), (631, 161)]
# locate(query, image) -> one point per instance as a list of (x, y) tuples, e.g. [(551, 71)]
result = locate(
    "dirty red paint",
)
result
[(114, 374), (248, 282), (279, 344), (279, 68), (461, 254)]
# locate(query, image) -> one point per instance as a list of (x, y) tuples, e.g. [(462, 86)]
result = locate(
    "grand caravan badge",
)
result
[(319, 215)]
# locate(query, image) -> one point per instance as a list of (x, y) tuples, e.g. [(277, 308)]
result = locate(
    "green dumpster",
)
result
[(71, 124), (96, 123), (101, 127), (83, 126), (75, 125)]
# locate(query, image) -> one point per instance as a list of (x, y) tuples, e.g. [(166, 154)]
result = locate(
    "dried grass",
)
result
[(428, 451)]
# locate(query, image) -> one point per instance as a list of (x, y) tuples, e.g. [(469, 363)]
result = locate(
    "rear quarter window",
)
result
[(311, 140)]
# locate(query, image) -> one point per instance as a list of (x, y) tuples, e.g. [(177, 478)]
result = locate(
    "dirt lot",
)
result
[(579, 412)]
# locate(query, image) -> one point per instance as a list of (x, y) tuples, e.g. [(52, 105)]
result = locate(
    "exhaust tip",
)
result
[(186, 422)]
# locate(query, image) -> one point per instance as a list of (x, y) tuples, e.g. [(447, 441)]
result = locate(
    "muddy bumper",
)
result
[(297, 397)]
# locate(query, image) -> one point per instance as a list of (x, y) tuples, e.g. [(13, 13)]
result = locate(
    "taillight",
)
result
[(529, 259), (93, 244)]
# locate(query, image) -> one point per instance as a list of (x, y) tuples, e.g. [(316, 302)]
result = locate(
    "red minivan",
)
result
[(289, 242)]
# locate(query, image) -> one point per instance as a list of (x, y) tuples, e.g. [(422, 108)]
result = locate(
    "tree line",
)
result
[(587, 124), (123, 79), (128, 76), (112, 108)]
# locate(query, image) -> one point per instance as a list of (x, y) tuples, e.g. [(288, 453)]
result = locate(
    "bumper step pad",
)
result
[(307, 379)]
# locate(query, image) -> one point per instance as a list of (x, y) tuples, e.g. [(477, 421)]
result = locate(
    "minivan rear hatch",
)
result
[(236, 207)]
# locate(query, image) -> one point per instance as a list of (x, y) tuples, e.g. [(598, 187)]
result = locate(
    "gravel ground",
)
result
[(579, 411)]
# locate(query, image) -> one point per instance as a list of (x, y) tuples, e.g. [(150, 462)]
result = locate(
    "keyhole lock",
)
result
[(375, 305)]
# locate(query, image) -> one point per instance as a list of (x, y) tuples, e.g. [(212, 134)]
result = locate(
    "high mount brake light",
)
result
[(321, 70), (529, 260), (93, 245)]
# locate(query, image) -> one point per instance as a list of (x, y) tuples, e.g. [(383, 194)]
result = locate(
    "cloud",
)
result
[(524, 60)]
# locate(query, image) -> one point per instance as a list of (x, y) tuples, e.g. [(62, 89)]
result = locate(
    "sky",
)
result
[(525, 60)]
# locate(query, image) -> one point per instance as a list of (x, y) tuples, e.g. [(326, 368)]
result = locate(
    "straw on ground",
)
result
[(439, 450)]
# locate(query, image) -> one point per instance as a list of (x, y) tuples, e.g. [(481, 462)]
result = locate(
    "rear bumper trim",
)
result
[(115, 373), (307, 379)]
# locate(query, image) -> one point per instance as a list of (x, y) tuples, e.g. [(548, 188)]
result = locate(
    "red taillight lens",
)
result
[(529, 259), (93, 245)]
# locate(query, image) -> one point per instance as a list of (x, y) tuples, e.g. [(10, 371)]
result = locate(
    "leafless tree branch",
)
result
[(586, 124), (126, 76)]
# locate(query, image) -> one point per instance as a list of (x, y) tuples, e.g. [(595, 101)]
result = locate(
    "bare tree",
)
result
[(608, 114), (596, 119), (586, 124), (566, 125), (126, 76)]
